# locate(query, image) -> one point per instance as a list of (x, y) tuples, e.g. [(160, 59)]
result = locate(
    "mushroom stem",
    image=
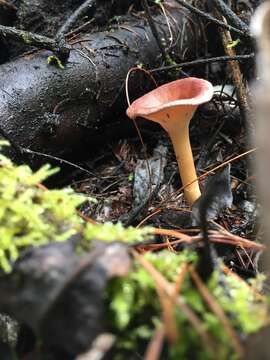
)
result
[(183, 153), (173, 105)]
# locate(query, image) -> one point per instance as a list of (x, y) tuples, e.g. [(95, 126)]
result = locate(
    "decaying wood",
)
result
[(60, 295), (237, 78), (58, 111)]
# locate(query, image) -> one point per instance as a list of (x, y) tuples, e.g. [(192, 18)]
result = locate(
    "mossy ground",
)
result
[(30, 215)]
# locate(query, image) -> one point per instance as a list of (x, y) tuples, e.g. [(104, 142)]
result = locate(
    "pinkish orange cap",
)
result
[(190, 91), (172, 105)]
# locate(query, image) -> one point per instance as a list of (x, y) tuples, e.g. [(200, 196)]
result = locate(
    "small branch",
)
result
[(218, 311), (62, 49), (78, 13), (55, 158), (214, 236), (57, 45), (204, 61), (154, 347), (212, 19), (80, 28), (169, 289), (154, 29), (230, 15), (237, 77)]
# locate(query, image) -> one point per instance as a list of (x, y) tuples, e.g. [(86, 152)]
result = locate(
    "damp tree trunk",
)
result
[(65, 111), (258, 346)]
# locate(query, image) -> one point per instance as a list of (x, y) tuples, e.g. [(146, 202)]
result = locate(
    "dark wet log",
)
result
[(59, 111), (47, 16), (60, 294)]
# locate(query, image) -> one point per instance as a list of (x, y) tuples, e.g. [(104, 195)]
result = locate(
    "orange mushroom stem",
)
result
[(172, 105)]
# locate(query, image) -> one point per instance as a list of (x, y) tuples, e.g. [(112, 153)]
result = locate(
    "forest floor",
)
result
[(134, 177)]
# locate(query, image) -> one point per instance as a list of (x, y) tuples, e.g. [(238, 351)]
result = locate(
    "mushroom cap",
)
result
[(172, 97)]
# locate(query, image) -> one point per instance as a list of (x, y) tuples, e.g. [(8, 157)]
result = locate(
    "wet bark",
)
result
[(60, 294), (47, 16), (60, 111)]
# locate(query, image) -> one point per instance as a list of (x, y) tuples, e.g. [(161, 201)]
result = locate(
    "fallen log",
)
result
[(60, 111)]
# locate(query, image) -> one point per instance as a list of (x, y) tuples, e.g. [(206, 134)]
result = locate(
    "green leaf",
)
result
[(54, 60), (233, 43)]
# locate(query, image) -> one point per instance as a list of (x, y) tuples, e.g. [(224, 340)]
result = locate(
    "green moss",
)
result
[(111, 232), (133, 303), (233, 43), (54, 60), (26, 38), (240, 301), (32, 216)]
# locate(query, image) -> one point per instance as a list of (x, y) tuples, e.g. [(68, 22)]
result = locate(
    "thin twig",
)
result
[(241, 94), (79, 29), (218, 311), (168, 317), (78, 13), (204, 61), (212, 19), (214, 236), (134, 121), (86, 218), (215, 168), (161, 206), (154, 29), (170, 291), (230, 15), (61, 48), (167, 305), (60, 160), (237, 240), (154, 347), (174, 233), (80, 213)]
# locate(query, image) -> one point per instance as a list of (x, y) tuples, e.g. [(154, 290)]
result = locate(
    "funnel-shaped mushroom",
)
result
[(172, 105)]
